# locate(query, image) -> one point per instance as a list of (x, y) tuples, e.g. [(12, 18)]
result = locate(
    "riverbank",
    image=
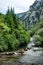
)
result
[(30, 55)]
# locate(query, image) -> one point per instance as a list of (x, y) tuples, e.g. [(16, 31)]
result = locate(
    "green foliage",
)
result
[(37, 40), (12, 32), (38, 33)]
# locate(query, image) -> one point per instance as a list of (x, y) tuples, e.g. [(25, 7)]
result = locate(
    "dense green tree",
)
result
[(12, 32)]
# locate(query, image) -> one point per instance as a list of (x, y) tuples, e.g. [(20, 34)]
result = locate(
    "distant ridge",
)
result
[(34, 13)]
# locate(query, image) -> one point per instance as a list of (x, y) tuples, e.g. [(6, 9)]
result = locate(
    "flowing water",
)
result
[(33, 56)]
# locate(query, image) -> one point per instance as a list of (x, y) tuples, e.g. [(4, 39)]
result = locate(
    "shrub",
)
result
[(40, 32), (37, 40)]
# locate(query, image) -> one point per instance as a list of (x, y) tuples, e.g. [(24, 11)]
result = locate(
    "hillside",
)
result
[(35, 12), (37, 30), (20, 14)]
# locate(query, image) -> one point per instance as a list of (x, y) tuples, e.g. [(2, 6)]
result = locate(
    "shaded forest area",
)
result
[(13, 35)]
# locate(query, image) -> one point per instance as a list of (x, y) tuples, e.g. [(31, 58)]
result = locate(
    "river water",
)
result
[(33, 56)]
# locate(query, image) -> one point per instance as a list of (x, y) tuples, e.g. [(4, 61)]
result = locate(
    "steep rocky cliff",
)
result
[(34, 14)]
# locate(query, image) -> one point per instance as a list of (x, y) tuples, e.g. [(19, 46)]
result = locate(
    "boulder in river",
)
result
[(21, 51), (9, 53), (37, 49), (25, 49)]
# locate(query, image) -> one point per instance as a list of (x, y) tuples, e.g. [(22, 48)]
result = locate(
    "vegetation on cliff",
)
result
[(37, 30)]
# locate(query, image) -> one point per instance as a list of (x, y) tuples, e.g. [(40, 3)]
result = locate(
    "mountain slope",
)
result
[(33, 14)]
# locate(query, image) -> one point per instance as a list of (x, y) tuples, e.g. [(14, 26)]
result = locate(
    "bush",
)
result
[(37, 40), (38, 33)]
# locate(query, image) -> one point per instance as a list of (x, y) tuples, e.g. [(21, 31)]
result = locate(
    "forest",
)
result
[(13, 35)]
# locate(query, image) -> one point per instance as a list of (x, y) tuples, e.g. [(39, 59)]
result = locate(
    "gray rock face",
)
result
[(35, 12)]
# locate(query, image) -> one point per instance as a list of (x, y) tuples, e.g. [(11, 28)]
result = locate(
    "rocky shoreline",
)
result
[(26, 56)]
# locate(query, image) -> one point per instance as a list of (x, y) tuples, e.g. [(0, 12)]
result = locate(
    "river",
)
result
[(33, 56)]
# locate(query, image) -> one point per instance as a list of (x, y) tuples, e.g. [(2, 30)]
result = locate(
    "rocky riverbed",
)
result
[(28, 56)]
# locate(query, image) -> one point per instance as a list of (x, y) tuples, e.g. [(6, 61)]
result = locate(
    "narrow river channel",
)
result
[(33, 56)]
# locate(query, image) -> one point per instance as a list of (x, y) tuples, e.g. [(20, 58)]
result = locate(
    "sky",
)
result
[(18, 5)]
